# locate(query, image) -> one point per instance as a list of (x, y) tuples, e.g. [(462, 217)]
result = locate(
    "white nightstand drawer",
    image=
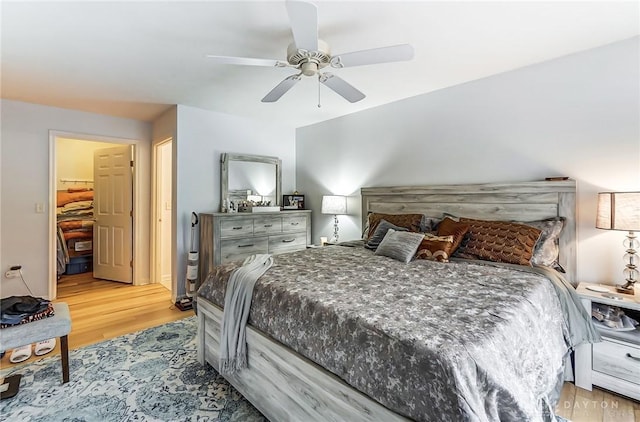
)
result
[(618, 360)]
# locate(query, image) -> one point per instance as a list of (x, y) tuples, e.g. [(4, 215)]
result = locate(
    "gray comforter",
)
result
[(431, 341)]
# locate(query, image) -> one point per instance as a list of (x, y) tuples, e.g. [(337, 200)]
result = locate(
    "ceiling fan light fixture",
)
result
[(298, 56), (309, 68)]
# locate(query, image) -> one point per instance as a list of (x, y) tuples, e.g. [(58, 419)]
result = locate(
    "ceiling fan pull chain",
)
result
[(319, 76)]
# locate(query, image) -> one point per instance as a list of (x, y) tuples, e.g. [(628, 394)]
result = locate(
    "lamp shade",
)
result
[(618, 211), (334, 204)]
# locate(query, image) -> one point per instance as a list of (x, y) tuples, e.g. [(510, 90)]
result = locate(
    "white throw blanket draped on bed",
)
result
[(237, 301)]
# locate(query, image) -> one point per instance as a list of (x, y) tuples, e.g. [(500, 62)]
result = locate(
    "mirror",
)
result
[(242, 175)]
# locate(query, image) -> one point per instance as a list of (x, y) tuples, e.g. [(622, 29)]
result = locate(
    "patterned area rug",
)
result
[(152, 375)]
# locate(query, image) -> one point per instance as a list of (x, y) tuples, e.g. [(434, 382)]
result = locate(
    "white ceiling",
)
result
[(134, 59)]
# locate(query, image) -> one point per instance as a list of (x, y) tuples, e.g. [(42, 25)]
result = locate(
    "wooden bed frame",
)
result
[(286, 386)]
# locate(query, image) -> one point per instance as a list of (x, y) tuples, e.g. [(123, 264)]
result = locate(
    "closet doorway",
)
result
[(163, 232), (91, 221)]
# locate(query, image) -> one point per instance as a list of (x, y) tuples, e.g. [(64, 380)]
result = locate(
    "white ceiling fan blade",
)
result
[(341, 87), (304, 24), (246, 61), (394, 53), (281, 89)]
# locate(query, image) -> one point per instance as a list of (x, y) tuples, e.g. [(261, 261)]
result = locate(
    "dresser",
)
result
[(226, 237)]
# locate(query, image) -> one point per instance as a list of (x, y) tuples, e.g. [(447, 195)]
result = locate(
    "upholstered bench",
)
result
[(58, 325)]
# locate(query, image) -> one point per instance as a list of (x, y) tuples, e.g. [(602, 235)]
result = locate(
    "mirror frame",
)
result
[(226, 158)]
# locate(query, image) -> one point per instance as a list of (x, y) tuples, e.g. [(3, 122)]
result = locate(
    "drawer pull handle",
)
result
[(288, 240), (237, 228), (295, 224), (246, 246), (268, 225), (630, 356)]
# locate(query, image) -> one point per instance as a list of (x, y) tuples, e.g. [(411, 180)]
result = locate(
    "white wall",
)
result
[(166, 127), (576, 116), (201, 137), (74, 160), (24, 137)]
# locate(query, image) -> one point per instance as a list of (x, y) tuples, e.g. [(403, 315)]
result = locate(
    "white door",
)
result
[(113, 210)]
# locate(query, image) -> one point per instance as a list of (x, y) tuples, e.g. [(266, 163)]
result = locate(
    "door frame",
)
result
[(155, 266), (137, 199)]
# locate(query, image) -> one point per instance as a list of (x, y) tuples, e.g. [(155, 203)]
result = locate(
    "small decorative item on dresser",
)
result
[(621, 211), (293, 202)]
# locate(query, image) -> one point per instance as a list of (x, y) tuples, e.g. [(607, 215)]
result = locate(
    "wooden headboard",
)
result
[(522, 201)]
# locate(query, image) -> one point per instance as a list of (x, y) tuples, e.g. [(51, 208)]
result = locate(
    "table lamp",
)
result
[(621, 211), (334, 204)]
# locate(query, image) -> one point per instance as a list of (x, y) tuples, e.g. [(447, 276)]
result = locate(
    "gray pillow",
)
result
[(429, 224), (380, 233), (547, 248), (400, 245)]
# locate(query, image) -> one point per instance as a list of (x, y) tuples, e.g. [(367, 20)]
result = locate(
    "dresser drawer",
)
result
[(287, 242), (236, 227), (267, 225), (237, 249), (294, 224), (618, 360)]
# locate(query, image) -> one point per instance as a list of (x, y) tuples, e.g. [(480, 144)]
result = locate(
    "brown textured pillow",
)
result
[(410, 222), (450, 227), (498, 241), (435, 248)]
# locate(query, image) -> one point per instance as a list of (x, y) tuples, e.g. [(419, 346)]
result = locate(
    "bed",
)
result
[(424, 344)]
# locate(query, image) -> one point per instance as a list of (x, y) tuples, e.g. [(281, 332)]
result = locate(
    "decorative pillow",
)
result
[(429, 224), (547, 249), (400, 245), (409, 221), (435, 248), (498, 241), (380, 233), (451, 227)]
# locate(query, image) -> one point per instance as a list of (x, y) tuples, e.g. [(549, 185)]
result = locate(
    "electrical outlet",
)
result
[(14, 271), (12, 274)]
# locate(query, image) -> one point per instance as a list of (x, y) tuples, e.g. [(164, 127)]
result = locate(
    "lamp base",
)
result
[(626, 289)]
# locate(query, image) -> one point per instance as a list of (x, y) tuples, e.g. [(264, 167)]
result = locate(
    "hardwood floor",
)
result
[(580, 405), (101, 310)]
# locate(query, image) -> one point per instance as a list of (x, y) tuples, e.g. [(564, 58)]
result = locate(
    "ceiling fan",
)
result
[(310, 55)]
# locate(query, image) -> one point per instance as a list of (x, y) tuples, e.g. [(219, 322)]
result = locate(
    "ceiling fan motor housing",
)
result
[(309, 62)]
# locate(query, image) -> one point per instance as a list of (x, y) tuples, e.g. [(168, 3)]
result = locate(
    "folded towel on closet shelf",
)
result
[(64, 197), (85, 234), (75, 224), (77, 205)]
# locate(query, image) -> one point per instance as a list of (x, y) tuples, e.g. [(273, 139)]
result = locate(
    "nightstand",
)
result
[(614, 363)]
